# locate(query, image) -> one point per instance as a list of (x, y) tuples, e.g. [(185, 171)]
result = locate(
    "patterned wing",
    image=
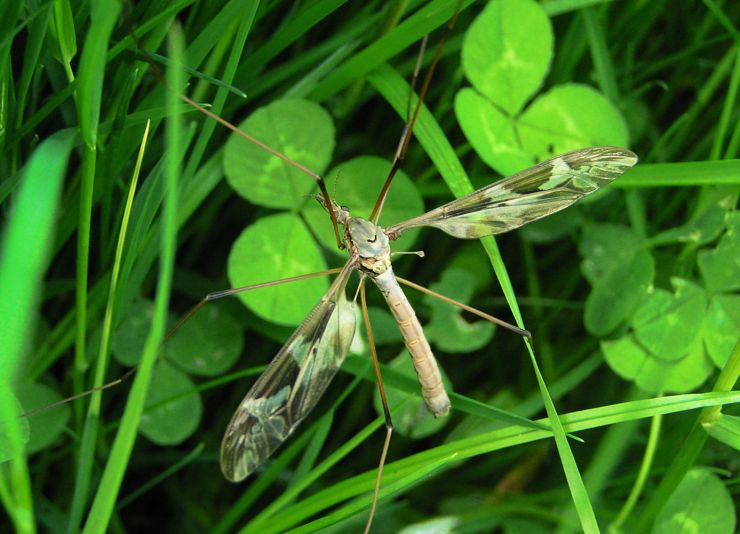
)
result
[(526, 196), (291, 385)]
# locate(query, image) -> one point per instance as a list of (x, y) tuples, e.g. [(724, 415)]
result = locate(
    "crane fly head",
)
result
[(340, 212)]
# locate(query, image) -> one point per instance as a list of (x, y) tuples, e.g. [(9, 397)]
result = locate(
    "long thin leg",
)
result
[(318, 179), (414, 78), (107, 385), (208, 298), (409, 127), (384, 401), (525, 333), (235, 290)]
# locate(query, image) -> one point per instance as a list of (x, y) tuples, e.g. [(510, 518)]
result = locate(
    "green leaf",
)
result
[(507, 52), (700, 503), (275, 247), (208, 344), (45, 426), (62, 30), (173, 406), (506, 55), (725, 429), (604, 247), (668, 324), (679, 376), (356, 185), (299, 129), (127, 343), (616, 295), (633, 362), (447, 329), (569, 117), (720, 267), (6, 450), (412, 418), (625, 356), (491, 133), (721, 328), (703, 227), (566, 118)]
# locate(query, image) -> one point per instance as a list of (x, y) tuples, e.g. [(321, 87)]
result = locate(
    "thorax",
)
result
[(368, 243)]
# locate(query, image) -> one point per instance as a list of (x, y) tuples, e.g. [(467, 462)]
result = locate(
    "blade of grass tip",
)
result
[(37, 28), (404, 383), (110, 483), (63, 28), (201, 75), (89, 435), (395, 90), (25, 248)]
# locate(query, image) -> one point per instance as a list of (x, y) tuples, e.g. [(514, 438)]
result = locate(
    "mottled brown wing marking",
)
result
[(291, 385), (526, 196)]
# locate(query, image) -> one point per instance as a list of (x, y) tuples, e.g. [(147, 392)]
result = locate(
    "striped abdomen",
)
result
[(430, 379)]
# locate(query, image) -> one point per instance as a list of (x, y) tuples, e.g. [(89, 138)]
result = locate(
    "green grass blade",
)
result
[(105, 499), (89, 90), (409, 471), (430, 135), (431, 16), (25, 249), (605, 75), (727, 109), (684, 174)]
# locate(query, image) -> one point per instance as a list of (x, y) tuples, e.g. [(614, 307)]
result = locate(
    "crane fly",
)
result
[(300, 373), (291, 386)]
